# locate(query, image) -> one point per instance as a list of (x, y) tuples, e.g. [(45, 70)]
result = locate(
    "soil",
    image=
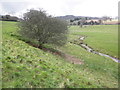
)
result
[(72, 59)]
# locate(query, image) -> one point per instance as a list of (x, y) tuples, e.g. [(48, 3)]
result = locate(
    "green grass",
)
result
[(0, 53), (25, 66), (102, 38)]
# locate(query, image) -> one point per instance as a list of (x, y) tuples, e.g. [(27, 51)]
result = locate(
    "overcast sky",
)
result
[(93, 8)]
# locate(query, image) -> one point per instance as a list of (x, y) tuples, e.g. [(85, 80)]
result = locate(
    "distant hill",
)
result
[(69, 17)]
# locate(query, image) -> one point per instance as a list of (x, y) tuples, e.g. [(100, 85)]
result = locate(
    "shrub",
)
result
[(37, 25)]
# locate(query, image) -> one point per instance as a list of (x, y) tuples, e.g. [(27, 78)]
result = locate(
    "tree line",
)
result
[(9, 18)]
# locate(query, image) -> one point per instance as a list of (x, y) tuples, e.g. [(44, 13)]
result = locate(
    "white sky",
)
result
[(93, 8)]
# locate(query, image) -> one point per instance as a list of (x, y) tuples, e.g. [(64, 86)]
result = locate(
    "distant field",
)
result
[(111, 22), (24, 66), (102, 38)]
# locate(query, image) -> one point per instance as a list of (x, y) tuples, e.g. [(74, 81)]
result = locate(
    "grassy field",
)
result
[(102, 38), (25, 66)]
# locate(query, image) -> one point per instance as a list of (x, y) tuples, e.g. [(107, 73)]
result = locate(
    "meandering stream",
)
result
[(92, 51)]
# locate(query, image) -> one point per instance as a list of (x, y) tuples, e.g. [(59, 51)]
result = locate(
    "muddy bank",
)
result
[(67, 57)]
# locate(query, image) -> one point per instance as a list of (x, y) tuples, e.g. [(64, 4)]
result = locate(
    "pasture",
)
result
[(102, 38), (25, 66)]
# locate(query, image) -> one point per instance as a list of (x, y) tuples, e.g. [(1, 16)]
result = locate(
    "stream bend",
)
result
[(92, 51)]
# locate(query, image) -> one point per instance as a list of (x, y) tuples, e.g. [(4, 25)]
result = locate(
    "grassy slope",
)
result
[(26, 66), (102, 38)]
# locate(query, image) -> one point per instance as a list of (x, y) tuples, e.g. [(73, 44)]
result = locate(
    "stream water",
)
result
[(92, 51)]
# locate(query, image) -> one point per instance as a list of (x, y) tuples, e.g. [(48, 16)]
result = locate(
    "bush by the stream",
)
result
[(37, 25)]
